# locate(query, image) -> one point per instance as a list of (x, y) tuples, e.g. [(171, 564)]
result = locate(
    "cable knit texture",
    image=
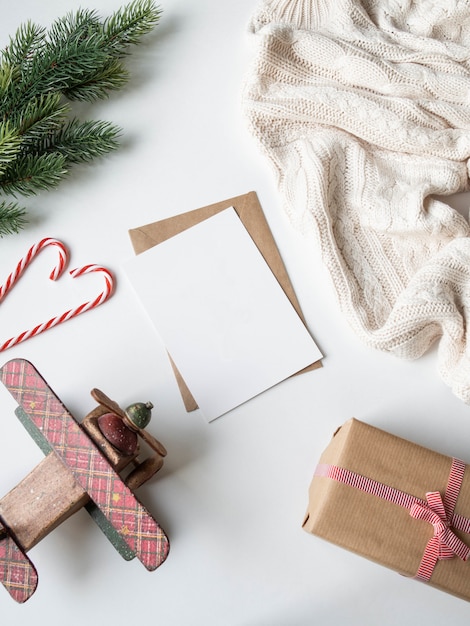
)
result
[(363, 109)]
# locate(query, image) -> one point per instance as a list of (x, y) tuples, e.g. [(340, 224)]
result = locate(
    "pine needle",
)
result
[(10, 145), (79, 58), (129, 24), (12, 218), (27, 43), (28, 175), (112, 77), (79, 142)]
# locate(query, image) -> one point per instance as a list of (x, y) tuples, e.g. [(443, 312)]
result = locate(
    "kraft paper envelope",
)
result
[(250, 213)]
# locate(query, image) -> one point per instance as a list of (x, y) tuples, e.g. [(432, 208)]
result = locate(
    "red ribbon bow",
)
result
[(436, 510), (444, 544)]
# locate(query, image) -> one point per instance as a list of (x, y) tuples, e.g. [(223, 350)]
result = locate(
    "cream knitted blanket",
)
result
[(363, 109)]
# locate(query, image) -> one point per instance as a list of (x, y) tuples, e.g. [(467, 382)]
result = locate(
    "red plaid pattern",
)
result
[(17, 573), (90, 468)]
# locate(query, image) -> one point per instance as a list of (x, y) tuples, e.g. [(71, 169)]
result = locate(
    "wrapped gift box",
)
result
[(396, 503)]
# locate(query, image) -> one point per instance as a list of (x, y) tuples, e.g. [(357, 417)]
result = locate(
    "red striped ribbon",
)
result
[(437, 511)]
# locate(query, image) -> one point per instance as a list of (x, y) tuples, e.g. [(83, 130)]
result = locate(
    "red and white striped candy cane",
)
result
[(32, 254), (102, 297), (86, 306)]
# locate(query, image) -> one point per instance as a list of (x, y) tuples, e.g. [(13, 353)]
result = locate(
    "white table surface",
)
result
[(232, 494)]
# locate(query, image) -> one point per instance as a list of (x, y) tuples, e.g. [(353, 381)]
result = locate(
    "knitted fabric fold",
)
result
[(363, 110)]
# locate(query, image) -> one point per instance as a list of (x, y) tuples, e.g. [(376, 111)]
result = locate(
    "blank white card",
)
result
[(221, 314)]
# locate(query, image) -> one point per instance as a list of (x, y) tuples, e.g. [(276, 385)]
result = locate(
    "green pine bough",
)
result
[(80, 57)]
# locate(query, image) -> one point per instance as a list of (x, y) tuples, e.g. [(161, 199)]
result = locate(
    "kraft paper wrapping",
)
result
[(374, 528), (249, 210)]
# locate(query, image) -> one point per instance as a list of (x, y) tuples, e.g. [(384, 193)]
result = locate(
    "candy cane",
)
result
[(86, 306), (32, 254)]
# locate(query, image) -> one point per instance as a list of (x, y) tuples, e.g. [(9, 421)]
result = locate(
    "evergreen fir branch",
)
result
[(41, 115), (61, 68), (6, 76), (79, 142), (29, 40), (74, 27), (12, 218), (112, 77), (29, 174), (79, 58), (79, 50), (15, 60), (121, 30), (127, 25), (10, 144)]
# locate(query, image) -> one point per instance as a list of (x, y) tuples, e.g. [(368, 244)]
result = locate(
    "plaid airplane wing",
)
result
[(144, 537), (17, 573)]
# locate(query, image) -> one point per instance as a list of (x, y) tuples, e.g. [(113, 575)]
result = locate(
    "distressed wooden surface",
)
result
[(46, 497)]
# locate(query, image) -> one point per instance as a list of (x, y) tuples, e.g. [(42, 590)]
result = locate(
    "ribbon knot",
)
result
[(436, 510), (444, 544)]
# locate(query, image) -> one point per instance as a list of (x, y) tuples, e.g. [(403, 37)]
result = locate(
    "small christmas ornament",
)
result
[(140, 413)]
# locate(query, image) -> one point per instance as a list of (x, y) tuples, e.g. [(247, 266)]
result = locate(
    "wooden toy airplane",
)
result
[(82, 468)]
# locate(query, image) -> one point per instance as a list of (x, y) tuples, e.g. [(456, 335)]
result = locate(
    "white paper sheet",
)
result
[(223, 317)]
